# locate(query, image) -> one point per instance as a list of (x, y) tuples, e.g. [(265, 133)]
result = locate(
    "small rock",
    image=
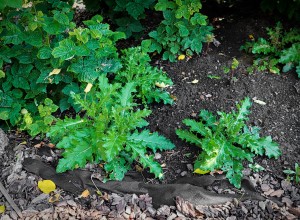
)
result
[(269, 192), (287, 201), (265, 177), (244, 209), (172, 216), (277, 193), (178, 171), (208, 95), (262, 205), (164, 210), (231, 218), (183, 173), (151, 211), (236, 202), (247, 172), (269, 207), (202, 97), (190, 167), (157, 156), (286, 185), (194, 115), (128, 210), (265, 187), (72, 203)]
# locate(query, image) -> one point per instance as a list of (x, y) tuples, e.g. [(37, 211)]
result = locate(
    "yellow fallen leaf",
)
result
[(251, 37), (54, 72), (88, 87), (161, 85), (181, 57), (199, 171), (54, 198), (46, 186), (85, 193), (195, 81), (2, 209)]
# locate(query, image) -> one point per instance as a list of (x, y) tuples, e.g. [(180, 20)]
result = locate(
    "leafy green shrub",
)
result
[(226, 142), (108, 132), (136, 68), (183, 29), (46, 62), (126, 14), (293, 174), (290, 8), (282, 47)]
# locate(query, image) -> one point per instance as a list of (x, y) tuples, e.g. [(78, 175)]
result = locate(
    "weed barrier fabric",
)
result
[(191, 189)]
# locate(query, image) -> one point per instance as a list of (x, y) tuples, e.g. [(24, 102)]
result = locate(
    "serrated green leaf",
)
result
[(199, 127), (153, 141), (117, 169), (189, 137), (113, 144), (139, 153), (271, 148), (74, 157), (126, 94)]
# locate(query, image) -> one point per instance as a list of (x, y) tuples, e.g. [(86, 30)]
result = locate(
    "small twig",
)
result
[(10, 200)]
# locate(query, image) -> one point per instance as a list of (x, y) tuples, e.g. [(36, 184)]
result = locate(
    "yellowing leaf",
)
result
[(199, 171), (2, 209), (54, 198), (85, 193), (54, 72), (46, 186), (88, 87), (161, 85), (181, 57), (251, 37)]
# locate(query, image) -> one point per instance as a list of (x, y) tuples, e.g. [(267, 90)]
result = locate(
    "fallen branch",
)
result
[(10, 200)]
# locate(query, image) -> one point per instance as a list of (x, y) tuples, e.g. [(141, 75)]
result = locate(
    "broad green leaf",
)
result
[(135, 9), (2, 74), (61, 18), (44, 53), (65, 51), (11, 3)]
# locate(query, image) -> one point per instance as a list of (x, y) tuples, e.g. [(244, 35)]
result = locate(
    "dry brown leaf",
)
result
[(54, 198)]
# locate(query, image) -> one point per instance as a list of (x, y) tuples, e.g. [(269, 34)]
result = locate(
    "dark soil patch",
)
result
[(279, 118)]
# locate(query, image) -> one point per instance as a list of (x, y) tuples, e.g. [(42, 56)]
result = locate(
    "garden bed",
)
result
[(192, 91)]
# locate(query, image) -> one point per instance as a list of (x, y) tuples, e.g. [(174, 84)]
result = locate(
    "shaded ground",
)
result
[(280, 118)]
